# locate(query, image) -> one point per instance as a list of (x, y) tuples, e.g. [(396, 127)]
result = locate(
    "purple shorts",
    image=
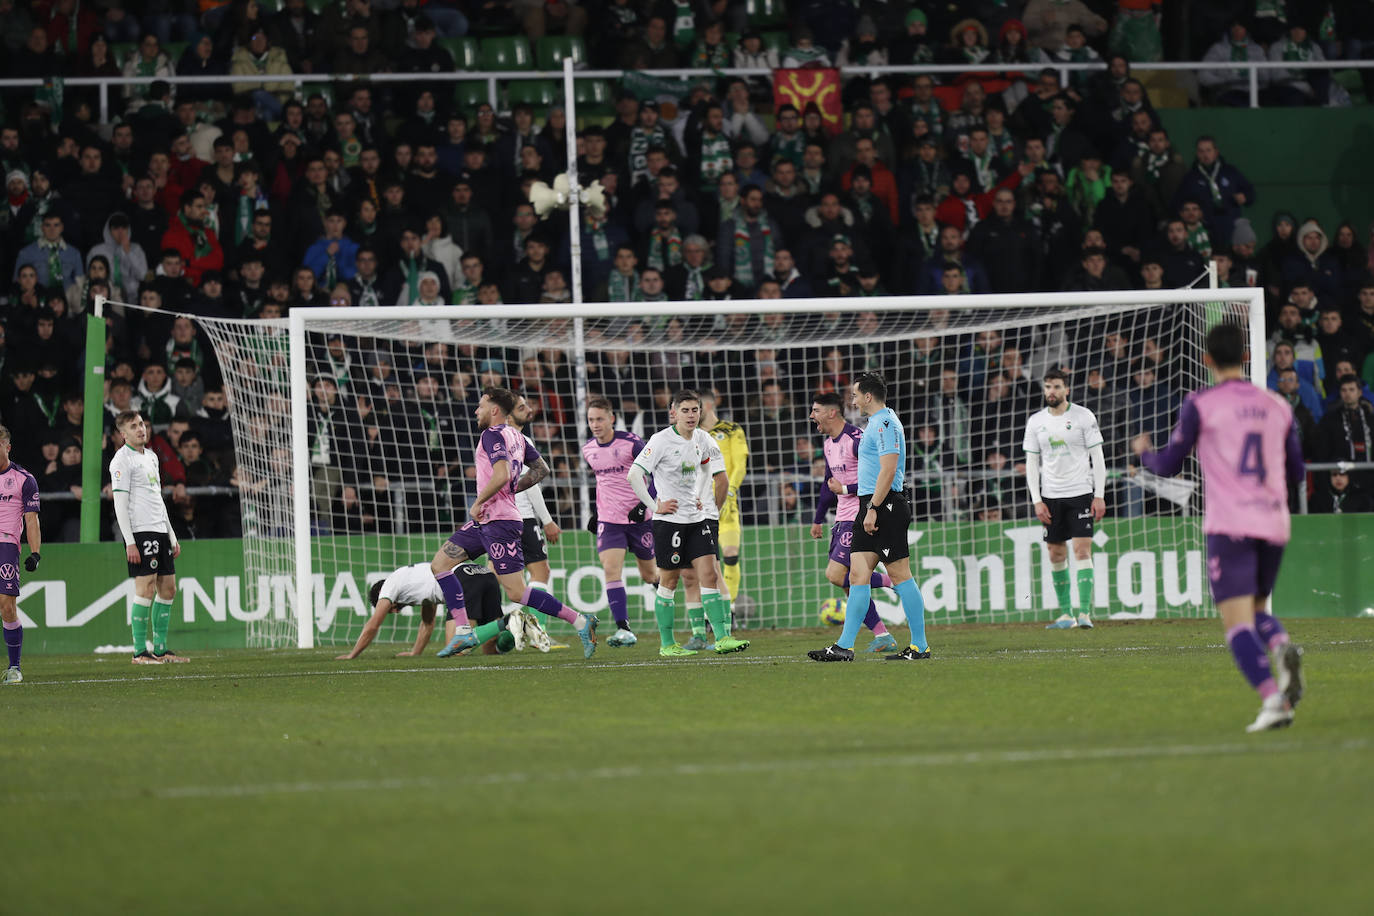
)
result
[(841, 537), (1238, 567), (9, 569), (636, 537), (499, 539)]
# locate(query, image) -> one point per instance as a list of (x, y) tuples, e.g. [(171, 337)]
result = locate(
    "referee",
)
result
[(883, 520)]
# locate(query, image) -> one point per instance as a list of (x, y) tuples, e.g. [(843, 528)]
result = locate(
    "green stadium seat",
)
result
[(554, 48), (506, 53), (319, 6), (778, 41), (468, 94), (593, 97), (539, 93), (466, 52), (766, 12), (269, 7), (174, 50)]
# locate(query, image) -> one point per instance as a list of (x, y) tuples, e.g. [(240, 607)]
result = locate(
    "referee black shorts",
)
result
[(889, 541), (1070, 517)]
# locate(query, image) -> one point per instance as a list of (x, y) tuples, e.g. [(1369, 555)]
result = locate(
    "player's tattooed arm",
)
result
[(537, 472), (453, 551)]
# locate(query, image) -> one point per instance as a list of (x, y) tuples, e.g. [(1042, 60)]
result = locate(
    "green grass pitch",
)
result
[(1019, 771)]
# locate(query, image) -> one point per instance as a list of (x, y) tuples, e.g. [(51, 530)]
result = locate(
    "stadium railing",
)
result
[(493, 79)]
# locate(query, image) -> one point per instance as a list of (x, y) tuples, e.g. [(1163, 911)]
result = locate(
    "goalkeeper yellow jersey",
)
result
[(735, 449)]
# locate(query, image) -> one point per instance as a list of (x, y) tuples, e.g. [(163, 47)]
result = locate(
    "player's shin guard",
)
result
[(1085, 590), (453, 597), (1251, 659), (915, 607), (664, 613), (860, 596), (141, 610), (14, 641), (615, 597), (717, 611), (1059, 575), (162, 622), (547, 604), (1271, 632)]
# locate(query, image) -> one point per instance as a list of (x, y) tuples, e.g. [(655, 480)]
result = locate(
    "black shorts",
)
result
[(1070, 517), (889, 541), (155, 552), (482, 598), (714, 524), (676, 546), (532, 540)]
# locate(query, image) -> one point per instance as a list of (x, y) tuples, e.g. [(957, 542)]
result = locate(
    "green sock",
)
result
[(141, 609), (696, 618), (1060, 578), (487, 630), (718, 612), (1085, 590), (664, 613), (162, 621)]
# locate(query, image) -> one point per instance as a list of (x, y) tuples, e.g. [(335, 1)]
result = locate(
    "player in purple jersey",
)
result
[(1248, 448), (841, 448), (18, 510), (494, 527), (619, 520)]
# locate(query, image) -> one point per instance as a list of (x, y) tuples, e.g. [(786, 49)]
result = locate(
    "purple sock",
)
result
[(880, 580), (547, 604), (1251, 659), (615, 597), (873, 621), (453, 597), (14, 641), (1270, 631)]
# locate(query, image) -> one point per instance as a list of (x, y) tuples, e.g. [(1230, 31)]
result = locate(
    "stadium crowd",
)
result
[(244, 200)]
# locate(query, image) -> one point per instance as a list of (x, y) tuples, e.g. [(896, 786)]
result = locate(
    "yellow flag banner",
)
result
[(802, 87)]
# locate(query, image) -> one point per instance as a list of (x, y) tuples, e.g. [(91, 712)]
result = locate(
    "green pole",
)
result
[(92, 424)]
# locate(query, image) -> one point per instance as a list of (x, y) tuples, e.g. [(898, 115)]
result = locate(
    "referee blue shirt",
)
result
[(882, 436)]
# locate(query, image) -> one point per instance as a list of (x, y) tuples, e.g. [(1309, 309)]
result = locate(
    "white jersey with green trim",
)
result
[(1063, 442), (677, 466), (140, 475)]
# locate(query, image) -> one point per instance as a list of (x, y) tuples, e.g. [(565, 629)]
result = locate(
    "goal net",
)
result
[(379, 466)]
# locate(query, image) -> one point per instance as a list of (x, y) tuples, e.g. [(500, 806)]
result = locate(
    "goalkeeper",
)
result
[(415, 584), (734, 448)]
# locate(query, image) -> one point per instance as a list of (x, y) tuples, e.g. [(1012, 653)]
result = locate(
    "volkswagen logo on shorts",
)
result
[(497, 551), (846, 538), (9, 571), (647, 540)]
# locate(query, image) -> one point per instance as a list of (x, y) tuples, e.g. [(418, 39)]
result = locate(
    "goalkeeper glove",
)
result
[(591, 522), (31, 562), (636, 515)]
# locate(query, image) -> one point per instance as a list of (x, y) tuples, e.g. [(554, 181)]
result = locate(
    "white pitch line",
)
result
[(1083, 651), (929, 760)]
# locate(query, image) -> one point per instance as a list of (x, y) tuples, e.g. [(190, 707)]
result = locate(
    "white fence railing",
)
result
[(1253, 69)]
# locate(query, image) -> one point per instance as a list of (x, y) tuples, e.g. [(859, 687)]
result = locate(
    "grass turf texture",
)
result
[(1101, 771)]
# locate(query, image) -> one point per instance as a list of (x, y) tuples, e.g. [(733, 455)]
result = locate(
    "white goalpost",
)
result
[(338, 494)]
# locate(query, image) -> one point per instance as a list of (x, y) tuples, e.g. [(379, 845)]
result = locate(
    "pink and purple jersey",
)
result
[(610, 462), (1248, 447), (841, 463), (18, 494), (502, 443)]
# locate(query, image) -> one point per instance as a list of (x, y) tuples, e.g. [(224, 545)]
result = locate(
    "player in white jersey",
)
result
[(539, 526), (680, 460), (150, 544), (415, 585), (691, 587), (1066, 473)]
